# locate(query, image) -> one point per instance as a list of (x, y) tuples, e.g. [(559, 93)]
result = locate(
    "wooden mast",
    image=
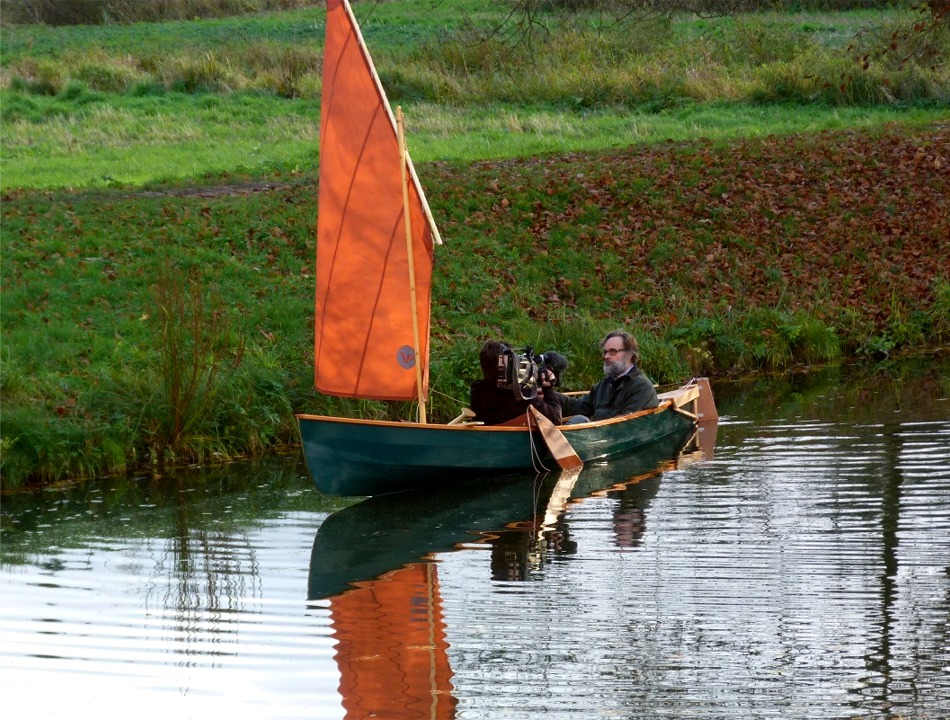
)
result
[(403, 154)]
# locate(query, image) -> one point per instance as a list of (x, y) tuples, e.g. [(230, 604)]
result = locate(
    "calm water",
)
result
[(801, 572)]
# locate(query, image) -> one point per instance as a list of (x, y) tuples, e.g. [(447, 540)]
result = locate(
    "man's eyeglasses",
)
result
[(610, 352)]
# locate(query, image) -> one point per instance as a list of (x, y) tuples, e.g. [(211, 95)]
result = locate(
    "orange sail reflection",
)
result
[(391, 647)]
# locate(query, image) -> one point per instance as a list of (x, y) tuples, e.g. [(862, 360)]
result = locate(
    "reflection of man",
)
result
[(625, 389), (510, 551), (515, 551), (629, 524)]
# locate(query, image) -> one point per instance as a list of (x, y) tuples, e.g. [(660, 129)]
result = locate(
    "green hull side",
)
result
[(361, 458), (611, 438)]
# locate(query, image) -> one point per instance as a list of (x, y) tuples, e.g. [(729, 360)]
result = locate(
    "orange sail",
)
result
[(365, 343)]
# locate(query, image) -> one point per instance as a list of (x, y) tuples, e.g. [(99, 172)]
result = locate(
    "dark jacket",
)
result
[(494, 405), (609, 397)]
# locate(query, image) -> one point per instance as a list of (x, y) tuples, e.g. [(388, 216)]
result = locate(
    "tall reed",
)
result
[(196, 352)]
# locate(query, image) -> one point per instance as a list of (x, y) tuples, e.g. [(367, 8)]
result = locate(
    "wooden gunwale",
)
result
[(482, 428)]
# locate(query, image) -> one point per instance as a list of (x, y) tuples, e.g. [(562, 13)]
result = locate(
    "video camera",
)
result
[(524, 373)]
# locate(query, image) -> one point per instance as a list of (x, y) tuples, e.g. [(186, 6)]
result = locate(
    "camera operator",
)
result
[(495, 405), (625, 389)]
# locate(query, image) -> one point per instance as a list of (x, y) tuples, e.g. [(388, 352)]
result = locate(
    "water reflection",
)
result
[(154, 589), (521, 516), (375, 561), (391, 648)]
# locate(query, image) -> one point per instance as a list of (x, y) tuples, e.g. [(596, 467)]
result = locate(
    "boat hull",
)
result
[(350, 457)]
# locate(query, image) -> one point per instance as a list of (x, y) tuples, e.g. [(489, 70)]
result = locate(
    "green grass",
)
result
[(141, 140), (181, 137), (129, 105)]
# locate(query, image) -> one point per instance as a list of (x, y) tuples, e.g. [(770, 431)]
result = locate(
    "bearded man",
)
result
[(625, 389)]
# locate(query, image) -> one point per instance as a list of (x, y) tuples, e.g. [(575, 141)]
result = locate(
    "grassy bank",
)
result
[(178, 322), (157, 255)]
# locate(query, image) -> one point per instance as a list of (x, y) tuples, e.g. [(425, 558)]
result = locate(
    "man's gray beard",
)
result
[(614, 369)]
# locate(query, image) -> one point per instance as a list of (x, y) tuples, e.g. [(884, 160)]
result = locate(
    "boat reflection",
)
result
[(383, 533), (375, 562)]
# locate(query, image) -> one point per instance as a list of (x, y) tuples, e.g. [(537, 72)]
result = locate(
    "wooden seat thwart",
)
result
[(467, 415), (465, 418)]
